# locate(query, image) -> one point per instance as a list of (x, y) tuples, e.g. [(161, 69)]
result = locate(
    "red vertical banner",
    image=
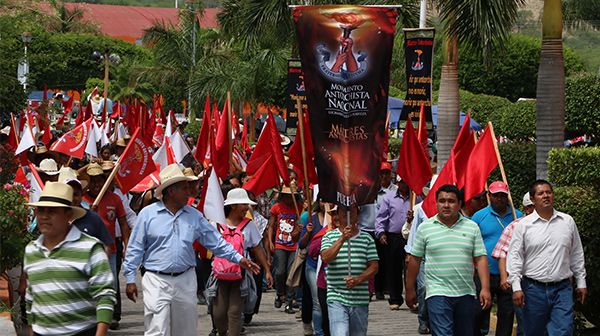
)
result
[(346, 53)]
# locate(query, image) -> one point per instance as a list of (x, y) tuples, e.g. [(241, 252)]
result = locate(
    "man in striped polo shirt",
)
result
[(70, 284), (352, 260), (450, 243)]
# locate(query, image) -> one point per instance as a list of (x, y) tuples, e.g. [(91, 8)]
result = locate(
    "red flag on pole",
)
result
[(295, 153), (422, 132), (73, 143), (263, 178), (135, 163), (203, 137), (68, 105), (220, 160), (13, 140), (413, 165), (245, 146), (481, 162)]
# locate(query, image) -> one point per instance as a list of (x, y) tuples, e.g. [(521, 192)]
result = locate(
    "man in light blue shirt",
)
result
[(161, 241)]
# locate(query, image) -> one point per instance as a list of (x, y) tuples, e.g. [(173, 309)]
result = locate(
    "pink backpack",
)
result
[(224, 269)]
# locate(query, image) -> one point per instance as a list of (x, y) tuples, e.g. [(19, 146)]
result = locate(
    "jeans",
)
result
[(119, 262), (548, 309), (451, 315), (346, 320), (283, 262), (395, 254), (311, 279), (380, 276), (504, 312), (423, 316), (322, 293)]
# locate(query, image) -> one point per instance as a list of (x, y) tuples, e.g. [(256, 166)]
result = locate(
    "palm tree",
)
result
[(69, 20), (550, 121), (479, 26)]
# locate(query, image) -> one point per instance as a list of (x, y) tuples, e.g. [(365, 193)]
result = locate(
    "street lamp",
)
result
[(191, 7), (108, 59), (23, 70)]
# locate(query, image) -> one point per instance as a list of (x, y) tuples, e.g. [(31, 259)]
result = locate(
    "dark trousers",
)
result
[(307, 302), (394, 255), (117, 308), (203, 270), (380, 276), (322, 292), (283, 262), (87, 332), (505, 311), (451, 316)]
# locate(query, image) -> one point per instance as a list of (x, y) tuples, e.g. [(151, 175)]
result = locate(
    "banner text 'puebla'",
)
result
[(418, 51), (346, 53)]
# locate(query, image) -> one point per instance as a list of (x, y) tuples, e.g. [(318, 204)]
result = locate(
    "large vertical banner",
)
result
[(346, 53), (296, 90), (418, 52)]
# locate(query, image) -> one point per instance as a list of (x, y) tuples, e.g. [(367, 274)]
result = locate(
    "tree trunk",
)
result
[(550, 104), (448, 104)]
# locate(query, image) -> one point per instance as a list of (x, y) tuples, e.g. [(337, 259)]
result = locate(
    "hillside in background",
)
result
[(148, 3)]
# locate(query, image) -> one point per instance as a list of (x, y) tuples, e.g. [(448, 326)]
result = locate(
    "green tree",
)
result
[(479, 28)]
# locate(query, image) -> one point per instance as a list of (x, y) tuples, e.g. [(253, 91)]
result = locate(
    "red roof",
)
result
[(128, 22)]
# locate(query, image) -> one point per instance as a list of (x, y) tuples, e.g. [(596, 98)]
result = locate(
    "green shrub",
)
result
[(13, 226), (574, 166), (519, 165), (515, 121), (582, 105), (193, 128), (583, 203), (394, 146), (482, 106)]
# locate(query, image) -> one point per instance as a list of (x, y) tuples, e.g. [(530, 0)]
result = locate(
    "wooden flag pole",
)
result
[(307, 193), (229, 126), (106, 185), (293, 187), (512, 205)]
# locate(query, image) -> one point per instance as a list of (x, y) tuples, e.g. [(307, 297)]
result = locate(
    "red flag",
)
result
[(235, 126), (203, 136), (22, 121), (244, 145), (295, 153), (84, 114), (216, 117), (422, 132), (74, 142), (47, 137), (481, 162), (455, 166), (68, 105), (158, 106), (159, 135), (413, 165), (268, 150), (149, 123), (13, 140), (135, 163), (220, 157), (263, 178), (117, 110)]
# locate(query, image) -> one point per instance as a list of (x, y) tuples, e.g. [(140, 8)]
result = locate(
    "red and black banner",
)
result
[(418, 52), (346, 53), (296, 90)]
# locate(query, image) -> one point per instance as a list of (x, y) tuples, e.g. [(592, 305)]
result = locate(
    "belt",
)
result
[(173, 274), (547, 284)]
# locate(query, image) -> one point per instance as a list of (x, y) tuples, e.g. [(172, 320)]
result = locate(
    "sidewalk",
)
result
[(6, 325)]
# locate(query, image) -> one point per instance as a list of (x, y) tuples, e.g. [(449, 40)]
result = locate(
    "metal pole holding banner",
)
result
[(348, 246)]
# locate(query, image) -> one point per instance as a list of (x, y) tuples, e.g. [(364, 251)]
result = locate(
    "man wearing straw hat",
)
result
[(161, 241), (70, 285), (492, 220)]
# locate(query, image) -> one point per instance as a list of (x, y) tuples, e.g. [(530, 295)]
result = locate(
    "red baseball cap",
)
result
[(498, 187), (386, 166)]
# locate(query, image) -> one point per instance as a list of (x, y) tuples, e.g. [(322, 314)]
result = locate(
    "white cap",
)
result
[(527, 200)]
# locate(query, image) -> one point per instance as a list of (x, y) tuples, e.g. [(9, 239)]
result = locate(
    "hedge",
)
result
[(482, 106), (574, 166), (582, 105), (583, 204), (518, 159), (516, 120)]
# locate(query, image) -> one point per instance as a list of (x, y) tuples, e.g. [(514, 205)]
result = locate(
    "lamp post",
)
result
[(23, 70), (107, 60), (191, 7)]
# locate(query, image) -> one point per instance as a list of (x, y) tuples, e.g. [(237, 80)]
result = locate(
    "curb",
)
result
[(6, 326)]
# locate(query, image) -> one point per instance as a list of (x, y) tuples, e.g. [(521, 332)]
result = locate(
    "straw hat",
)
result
[(121, 143), (189, 172), (41, 149), (238, 196), (94, 169), (170, 175), (69, 176), (285, 190), (58, 195), (48, 166)]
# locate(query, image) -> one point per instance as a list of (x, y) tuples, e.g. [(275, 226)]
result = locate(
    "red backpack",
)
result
[(224, 269)]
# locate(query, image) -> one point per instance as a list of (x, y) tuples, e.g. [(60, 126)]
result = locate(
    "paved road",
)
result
[(271, 321)]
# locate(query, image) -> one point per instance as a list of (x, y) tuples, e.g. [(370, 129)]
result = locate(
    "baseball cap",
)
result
[(527, 200), (386, 166), (498, 187)]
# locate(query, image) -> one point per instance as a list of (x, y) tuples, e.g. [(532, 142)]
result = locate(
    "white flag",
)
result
[(90, 147), (180, 148), (27, 140), (213, 203)]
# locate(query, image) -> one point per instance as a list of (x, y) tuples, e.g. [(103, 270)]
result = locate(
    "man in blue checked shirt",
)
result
[(161, 241)]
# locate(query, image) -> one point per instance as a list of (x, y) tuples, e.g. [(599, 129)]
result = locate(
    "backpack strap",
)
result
[(243, 224)]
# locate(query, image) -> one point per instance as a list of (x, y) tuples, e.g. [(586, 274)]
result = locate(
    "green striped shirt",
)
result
[(362, 250), (449, 252), (70, 288)]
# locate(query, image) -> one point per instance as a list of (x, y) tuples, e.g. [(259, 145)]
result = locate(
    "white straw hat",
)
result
[(58, 195), (169, 176), (68, 176), (48, 166), (238, 196)]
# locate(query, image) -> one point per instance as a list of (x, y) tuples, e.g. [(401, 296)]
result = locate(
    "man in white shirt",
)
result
[(545, 252)]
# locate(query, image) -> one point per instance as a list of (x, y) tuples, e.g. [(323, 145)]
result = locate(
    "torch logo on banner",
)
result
[(346, 66)]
